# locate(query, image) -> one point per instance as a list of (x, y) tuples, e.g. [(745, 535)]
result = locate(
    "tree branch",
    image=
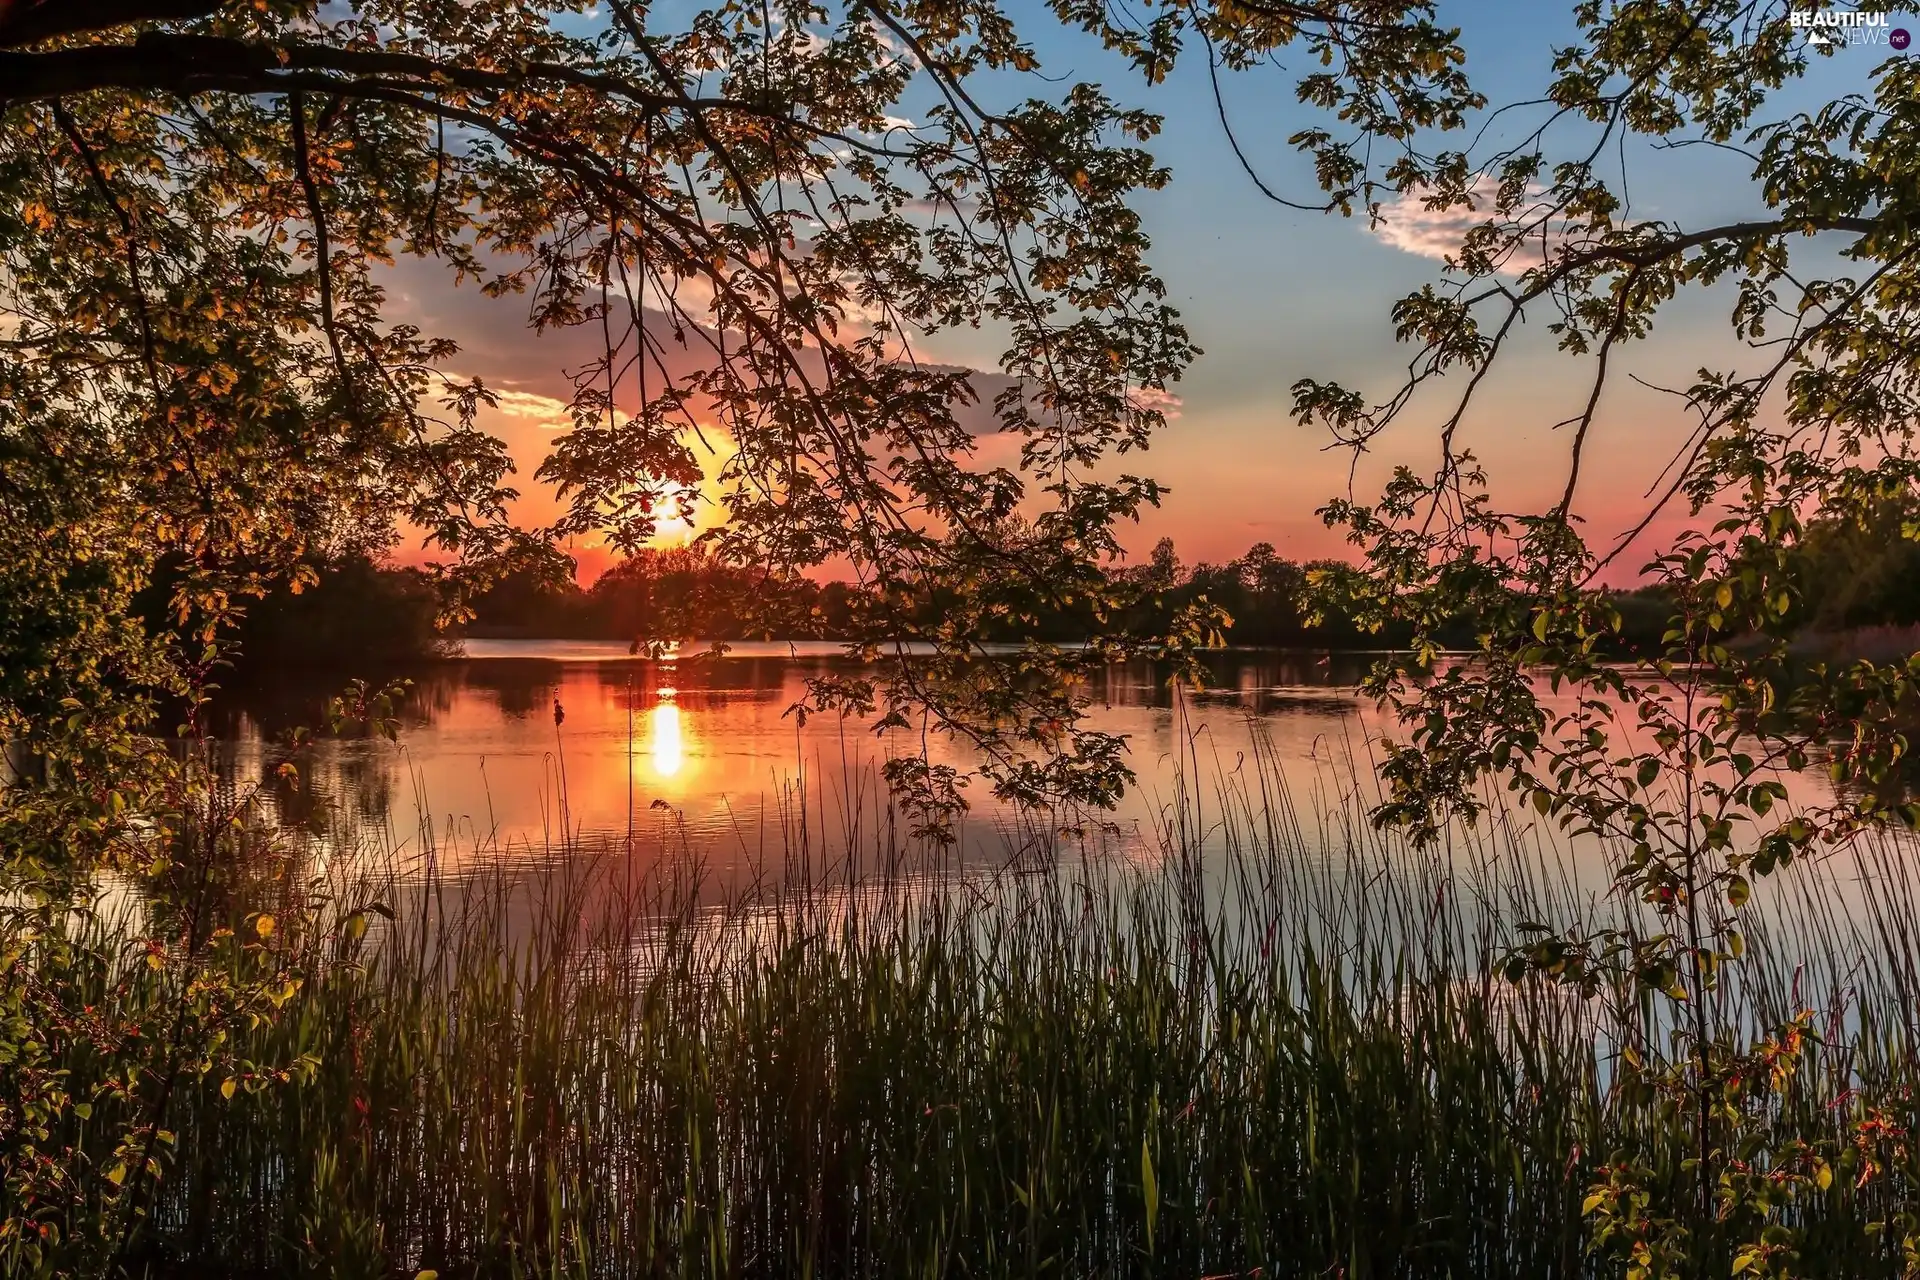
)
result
[(127, 240), (322, 250), (165, 61), (24, 22)]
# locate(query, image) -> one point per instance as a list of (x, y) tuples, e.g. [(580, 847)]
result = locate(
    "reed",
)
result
[(1290, 1058)]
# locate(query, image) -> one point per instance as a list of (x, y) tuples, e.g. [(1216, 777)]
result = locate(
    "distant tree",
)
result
[(528, 602), (687, 593), (355, 617), (1861, 572)]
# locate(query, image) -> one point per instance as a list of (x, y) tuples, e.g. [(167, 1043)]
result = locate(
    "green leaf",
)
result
[(1149, 1190)]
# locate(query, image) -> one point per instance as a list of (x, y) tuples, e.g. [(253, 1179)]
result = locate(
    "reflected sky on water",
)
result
[(669, 762), (704, 752), (677, 756)]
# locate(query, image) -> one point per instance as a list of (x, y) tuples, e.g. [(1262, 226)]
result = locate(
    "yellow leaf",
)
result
[(226, 1087), (264, 925), (1592, 1202)]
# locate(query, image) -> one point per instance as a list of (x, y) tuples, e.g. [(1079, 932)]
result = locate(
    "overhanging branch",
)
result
[(24, 22), (164, 62)]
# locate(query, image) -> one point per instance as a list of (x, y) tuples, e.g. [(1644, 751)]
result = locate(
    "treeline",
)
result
[(363, 613), (1860, 593), (1270, 599), (677, 591), (683, 592)]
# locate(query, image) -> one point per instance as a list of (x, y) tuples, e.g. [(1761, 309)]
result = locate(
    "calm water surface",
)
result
[(703, 753), (667, 763)]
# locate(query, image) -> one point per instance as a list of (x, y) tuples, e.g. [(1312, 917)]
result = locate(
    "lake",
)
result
[(702, 754), (657, 760)]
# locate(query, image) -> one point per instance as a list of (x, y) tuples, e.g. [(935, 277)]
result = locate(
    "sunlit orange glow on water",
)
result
[(669, 753)]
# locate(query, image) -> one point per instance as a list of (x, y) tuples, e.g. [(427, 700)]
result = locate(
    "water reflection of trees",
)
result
[(753, 679), (1258, 682), (363, 782), (521, 688), (297, 699)]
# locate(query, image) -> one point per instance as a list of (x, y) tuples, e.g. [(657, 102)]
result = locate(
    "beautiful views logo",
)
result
[(1833, 27)]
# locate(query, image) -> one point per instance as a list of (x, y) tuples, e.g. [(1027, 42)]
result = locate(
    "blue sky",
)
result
[(1273, 295)]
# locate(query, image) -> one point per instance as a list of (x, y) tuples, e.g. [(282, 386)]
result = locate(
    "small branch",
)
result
[(322, 251), (1233, 142), (1614, 332), (148, 349)]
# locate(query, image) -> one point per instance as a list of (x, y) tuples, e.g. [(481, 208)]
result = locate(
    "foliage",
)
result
[(1292, 1062), (202, 357), (1680, 759), (105, 1025)]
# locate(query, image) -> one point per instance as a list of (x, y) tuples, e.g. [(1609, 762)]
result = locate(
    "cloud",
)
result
[(545, 410), (1407, 224), (1166, 402)]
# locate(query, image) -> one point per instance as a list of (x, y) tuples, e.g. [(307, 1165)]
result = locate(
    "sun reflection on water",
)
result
[(669, 753)]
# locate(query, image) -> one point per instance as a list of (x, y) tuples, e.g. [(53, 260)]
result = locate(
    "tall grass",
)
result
[(1292, 1057)]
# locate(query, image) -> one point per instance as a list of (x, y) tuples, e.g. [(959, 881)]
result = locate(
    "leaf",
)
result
[(1149, 1190), (227, 1087), (1738, 890), (263, 925)]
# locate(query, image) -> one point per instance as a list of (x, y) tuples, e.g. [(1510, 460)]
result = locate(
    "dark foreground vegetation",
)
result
[(1287, 1062), (760, 225)]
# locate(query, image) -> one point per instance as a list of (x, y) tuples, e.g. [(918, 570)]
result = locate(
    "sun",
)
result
[(670, 528)]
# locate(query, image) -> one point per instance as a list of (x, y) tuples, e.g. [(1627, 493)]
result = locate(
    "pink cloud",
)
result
[(1147, 398), (1406, 223)]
